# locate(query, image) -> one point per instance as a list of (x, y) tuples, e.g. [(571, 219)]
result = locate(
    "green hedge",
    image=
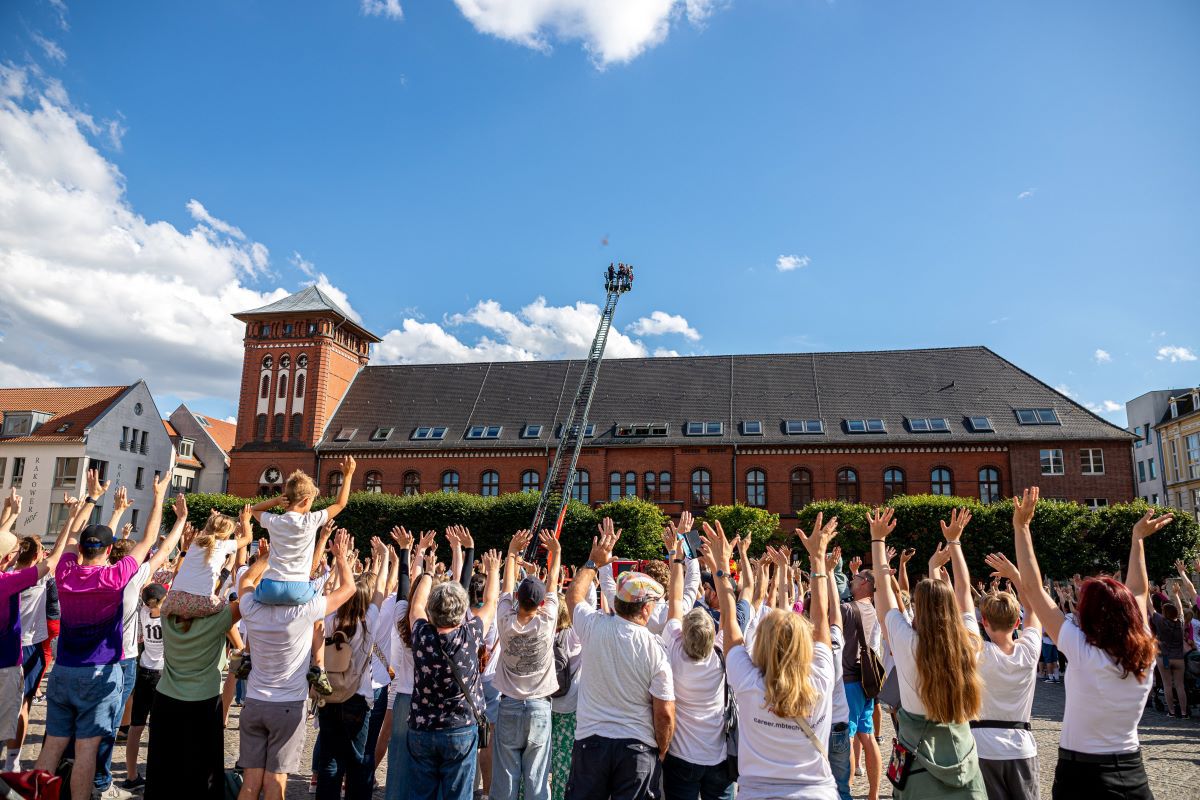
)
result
[(1069, 538)]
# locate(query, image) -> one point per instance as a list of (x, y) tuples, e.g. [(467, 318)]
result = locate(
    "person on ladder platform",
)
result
[(612, 278)]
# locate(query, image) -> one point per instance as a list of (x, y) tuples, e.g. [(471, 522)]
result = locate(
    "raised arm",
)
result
[(817, 546), (121, 504), (905, 556), (343, 497), (251, 576), (404, 542), (598, 561), (1032, 592), (319, 549), (745, 572), (675, 587), (456, 553), (834, 615), (719, 549), (1136, 578), (468, 557), (245, 534), (79, 510), (882, 525), (345, 575), (959, 518), (1006, 569), (554, 560), (172, 539), (491, 591), (154, 522), (1185, 583), (516, 547)]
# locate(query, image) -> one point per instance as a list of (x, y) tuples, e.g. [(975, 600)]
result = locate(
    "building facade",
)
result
[(775, 431), (1179, 432), (202, 448), (1143, 414), (52, 436)]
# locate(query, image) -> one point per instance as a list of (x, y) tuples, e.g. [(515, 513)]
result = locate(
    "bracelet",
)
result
[(91, 500), (680, 561), (818, 574), (879, 540), (954, 541)]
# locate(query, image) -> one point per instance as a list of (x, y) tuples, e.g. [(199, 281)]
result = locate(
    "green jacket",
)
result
[(946, 764)]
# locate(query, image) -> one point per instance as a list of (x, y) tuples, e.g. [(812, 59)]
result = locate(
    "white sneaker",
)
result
[(861, 771), (113, 792)]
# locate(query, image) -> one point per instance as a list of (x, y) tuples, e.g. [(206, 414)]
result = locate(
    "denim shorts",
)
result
[(1049, 653), (862, 710), (84, 702), (271, 592)]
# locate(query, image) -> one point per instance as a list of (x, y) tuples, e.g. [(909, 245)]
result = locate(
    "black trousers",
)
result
[(186, 758), (621, 769), (1120, 776)]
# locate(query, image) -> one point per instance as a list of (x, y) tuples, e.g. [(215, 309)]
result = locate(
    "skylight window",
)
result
[(752, 427), (531, 432), (980, 424), (928, 425), (641, 429), (796, 427), (381, 434), (345, 434), (1037, 416), (588, 432), (704, 428), (865, 426), (484, 432), (429, 432), (63, 428)]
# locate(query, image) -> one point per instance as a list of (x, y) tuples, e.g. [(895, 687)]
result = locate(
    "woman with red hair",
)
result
[(1111, 653)]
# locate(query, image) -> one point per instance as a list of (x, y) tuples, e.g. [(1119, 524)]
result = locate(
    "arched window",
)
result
[(631, 484), (300, 384), (756, 488), (260, 427), (650, 486), (989, 485), (283, 385), (373, 482), (277, 427), (701, 488), (449, 481), (531, 481), (265, 392), (582, 490), (489, 484), (801, 484), (847, 485), (335, 483), (614, 486), (941, 481), (664, 487), (893, 482), (297, 425), (412, 482)]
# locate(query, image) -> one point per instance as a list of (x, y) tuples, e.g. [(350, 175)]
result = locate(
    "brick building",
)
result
[(770, 430)]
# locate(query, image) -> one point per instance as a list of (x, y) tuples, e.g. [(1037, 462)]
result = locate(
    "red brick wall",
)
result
[(1116, 484)]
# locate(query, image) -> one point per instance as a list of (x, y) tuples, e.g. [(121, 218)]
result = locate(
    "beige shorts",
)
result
[(272, 736), (12, 684)]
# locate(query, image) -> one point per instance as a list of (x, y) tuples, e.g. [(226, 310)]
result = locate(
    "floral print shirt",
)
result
[(437, 702)]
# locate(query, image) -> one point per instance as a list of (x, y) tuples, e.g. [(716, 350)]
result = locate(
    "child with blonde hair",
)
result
[(193, 591)]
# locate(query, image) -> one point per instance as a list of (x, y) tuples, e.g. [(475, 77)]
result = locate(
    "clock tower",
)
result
[(300, 355)]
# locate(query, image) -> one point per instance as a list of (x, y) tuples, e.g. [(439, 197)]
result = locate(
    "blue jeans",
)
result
[(83, 702), (839, 758), (239, 692), (343, 750), (399, 762), (443, 763), (521, 750), (104, 755), (683, 780), (271, 592)]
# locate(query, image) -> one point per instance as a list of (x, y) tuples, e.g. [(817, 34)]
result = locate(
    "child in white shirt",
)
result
[(193, 591)]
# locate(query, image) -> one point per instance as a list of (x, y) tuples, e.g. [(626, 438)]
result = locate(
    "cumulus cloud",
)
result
[(1175, 353), (1102, 356), (51, 48), (789, 263), (612, 31), (661, 323), (536, 331), (383, 8)]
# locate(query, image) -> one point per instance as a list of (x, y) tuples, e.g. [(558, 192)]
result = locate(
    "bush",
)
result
[(641, 523), (741, 520)]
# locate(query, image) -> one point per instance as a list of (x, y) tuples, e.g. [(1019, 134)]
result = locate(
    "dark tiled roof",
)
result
[(953, 383), (1183, 405), (306, 301)]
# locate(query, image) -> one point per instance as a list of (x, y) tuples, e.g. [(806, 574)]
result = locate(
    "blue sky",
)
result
[(1019, 175)]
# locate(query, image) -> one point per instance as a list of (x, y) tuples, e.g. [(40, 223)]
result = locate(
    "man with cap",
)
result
[(83, 697), (626, 713), (525, 676)]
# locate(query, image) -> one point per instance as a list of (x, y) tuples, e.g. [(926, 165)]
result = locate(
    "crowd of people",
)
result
[(706, 674)]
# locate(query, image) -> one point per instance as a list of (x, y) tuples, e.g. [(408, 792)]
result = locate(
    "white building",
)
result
[(52, 436), (202, 446)]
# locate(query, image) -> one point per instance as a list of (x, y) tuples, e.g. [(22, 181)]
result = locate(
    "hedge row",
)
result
[(1069, 538)]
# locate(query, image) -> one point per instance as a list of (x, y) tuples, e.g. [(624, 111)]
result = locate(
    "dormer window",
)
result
[(798, 427), (345, 434), (484, 432), (381, 434), (186, 447), (641, 429), (23, 423), (1174, 408), (1037, 416), (531, 432), (704, 428), (928, 425), (429, 432)]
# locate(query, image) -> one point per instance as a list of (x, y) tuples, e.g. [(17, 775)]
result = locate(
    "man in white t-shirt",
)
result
[(626, 713), (691, 579), (272, 722), (525, 676)]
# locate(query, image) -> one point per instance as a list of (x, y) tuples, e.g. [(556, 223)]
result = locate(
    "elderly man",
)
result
[(626, 714)]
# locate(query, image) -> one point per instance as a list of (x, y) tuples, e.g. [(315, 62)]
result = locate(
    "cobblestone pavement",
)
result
[(1171, 748)]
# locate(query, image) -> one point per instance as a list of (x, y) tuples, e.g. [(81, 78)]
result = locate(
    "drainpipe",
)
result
[(734, 477)]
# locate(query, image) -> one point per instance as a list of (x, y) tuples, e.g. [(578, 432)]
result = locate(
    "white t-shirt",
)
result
[(525, 668), (574, 648), (33, 612), (1008, 684), (280, 638), (624, 666), (699, 702), (199, 572), (775, 757), (152, 639), (293, 537), (381, 632), (841, 707), (658, 616), (400, 653), (131, 601), (903, 640), (1103, 709)]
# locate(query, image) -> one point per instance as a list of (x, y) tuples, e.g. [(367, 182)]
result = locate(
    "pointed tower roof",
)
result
[(307, 301)]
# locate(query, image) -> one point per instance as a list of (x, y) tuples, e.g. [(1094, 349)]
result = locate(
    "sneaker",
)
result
[(312, 785), (133, 784), (861, 771), (113, 792), (320, 681)]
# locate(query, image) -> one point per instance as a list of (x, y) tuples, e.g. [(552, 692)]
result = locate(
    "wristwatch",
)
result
[(720, 573), (589, 564), (91, 500)]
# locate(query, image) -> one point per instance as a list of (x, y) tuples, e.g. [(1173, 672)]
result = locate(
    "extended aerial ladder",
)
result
[(560, 479)]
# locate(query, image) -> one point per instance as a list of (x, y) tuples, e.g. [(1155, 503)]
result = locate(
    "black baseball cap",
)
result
[(153, 591), (531, 593), (96, 537)]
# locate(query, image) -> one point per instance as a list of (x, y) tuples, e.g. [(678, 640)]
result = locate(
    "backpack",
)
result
[(562, 665), (345, 663)]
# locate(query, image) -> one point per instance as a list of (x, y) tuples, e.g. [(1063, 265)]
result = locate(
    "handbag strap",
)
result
[(462, 686), (728, 710), (812, 737)]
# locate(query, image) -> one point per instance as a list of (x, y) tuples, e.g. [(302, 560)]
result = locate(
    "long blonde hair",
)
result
[(218, 528), (783, 652), (947, 674)]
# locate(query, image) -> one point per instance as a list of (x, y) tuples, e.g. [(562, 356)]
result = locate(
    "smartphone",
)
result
[(691, 544)]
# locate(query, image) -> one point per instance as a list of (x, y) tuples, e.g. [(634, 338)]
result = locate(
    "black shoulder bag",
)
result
[(485, 737), (731, 723)]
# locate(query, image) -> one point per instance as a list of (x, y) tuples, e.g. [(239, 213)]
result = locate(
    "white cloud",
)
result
[(997, 320), (50, 47), (661, 323), (1107, 407), (1062, 388), (789, 263), (383, 8), (1028, 193), (60, 6), (303, 264), (1174, 353), (536, 331), (612, 31), (1102, 356), (662, 352)]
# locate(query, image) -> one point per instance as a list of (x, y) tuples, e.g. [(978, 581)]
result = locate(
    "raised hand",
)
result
[(161, 485), (96, 489), (264, 548), (1003, 568), (465, 538), (818, 542), (548, 540), (402, 537), (881, 523), (959, 517), (1024, 506), (718, 544), (427, 539), (347, 466), (855, 564), (121, 501), (906, 555), (940, 557), (246, 517), (1150, 524), (519, 542), (891, 553), (602, 545), (126, 530), (491, 561), (340, 546)]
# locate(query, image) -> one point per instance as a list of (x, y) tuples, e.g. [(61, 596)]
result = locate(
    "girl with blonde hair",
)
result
[(937, 667), (784, 689), (193, 592)]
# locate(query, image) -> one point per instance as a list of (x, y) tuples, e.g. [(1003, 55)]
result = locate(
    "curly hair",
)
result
[(1110, 619)]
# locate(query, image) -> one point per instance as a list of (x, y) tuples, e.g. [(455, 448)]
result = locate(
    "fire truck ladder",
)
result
[(560, 479)]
